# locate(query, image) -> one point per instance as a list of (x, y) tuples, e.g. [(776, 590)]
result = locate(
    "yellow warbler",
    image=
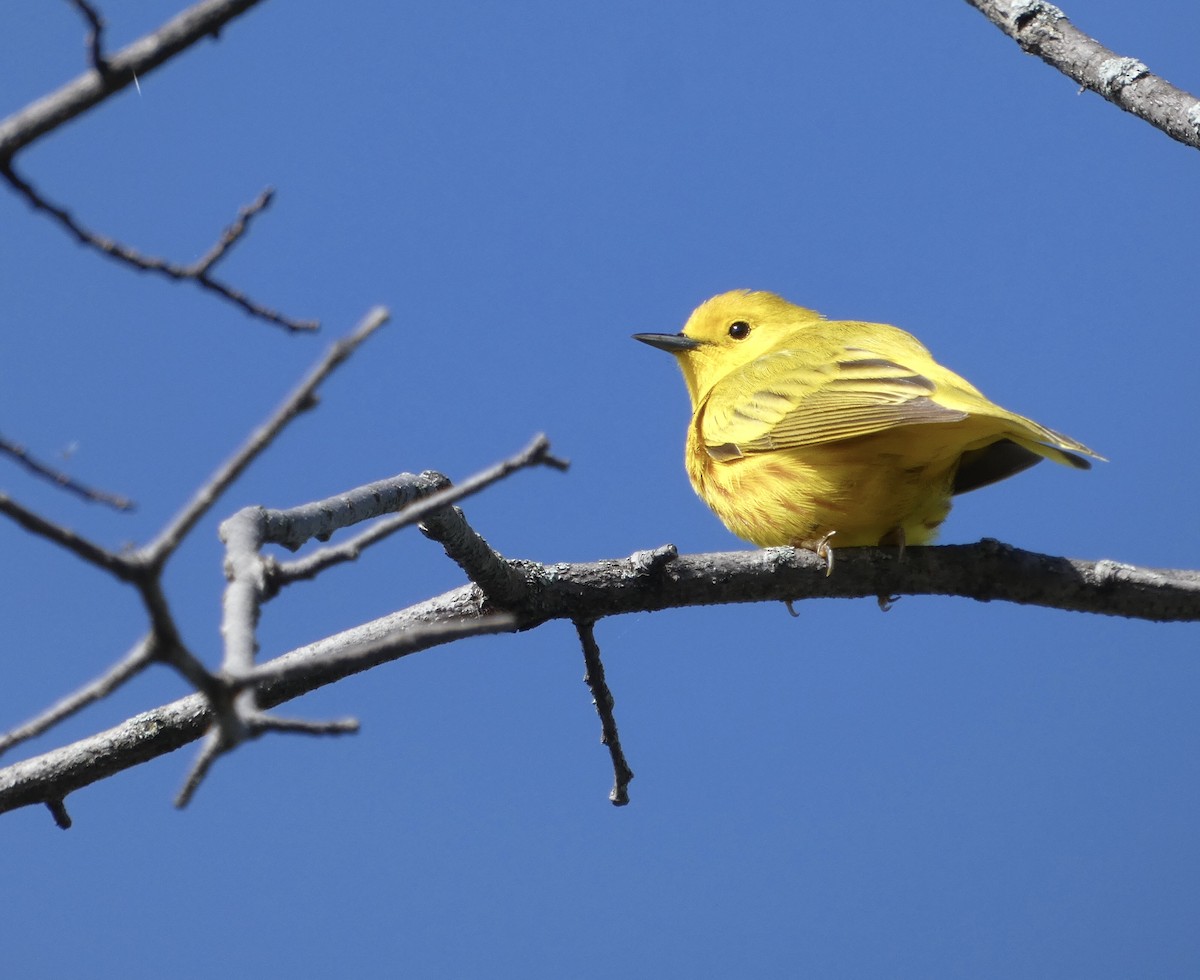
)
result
[(805, 428)]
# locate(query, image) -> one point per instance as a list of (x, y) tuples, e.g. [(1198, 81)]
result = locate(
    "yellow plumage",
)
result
[(804, 428)]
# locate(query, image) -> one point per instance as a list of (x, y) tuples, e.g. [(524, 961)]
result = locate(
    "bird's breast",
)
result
[(862, 489)]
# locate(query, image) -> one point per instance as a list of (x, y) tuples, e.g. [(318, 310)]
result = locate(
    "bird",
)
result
[(818, 433)]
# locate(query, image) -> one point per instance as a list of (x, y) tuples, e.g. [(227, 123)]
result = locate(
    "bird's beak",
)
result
[(672, 343)]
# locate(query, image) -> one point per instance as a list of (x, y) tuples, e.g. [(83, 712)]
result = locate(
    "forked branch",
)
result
[(56, 476), (644, 582), (109, 75)]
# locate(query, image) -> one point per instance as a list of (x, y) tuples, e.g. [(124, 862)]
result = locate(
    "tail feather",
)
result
[(994, 462), (1062, 449), (1007, 457)]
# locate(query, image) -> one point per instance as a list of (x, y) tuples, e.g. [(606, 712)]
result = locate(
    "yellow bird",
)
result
[(813, 433)]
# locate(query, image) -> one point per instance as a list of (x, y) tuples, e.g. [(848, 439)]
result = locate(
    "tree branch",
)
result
[(132, 664), (110, 75), (253, 578), (644, 582), (197, 272), (435, 495), (1042, 29), (300, 400), (64, 537), (251, 582), (602, 698), (95, 37), (61, 479), (143, 568), (137, 60)]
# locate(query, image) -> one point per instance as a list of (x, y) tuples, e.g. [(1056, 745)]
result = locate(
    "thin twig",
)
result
[(294, 527), (129, 666), (61, 479), (58, 810), (81, 547), (204, 19), (300, 400), (603, 700), (304, 726), (95, 38), (237, 715), (276, 681), (202, 266), (505, 583), (212, 747), (217, 745), (169, 647), (197, 272), (443, 495), (144, 567), (281, 573)]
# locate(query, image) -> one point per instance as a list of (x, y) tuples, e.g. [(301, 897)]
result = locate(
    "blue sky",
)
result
[(951, 789)]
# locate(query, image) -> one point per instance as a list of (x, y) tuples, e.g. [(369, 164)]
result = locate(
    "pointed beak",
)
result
[(672, 343)]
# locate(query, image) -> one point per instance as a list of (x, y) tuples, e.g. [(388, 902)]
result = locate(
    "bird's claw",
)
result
[(824, 551)]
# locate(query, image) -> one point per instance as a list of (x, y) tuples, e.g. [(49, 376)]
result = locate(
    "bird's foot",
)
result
[(895, 538), (820, 546)]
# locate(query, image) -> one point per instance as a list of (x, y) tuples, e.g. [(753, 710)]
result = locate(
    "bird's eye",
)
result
[(739, 329)]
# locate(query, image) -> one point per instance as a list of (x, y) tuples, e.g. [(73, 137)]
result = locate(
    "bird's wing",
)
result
[(794, 397)]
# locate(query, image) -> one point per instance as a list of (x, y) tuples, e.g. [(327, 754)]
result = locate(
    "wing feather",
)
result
[(780, 402)]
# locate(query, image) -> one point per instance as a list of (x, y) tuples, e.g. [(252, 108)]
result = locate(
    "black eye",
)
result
[(739, 329)]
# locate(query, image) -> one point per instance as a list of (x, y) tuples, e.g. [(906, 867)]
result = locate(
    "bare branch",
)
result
[(81, 547), (197, 272), (298, 524), (213, 746), (58, 810), (244, 572), (281, 573), (143, 569), (95, 38), (505, 583), (300, 400), (602, 698), (362, 648), (239, 717), (110, 76), (137, 60), (644, 582), (61, 479), (320, 519), (201, 267), (132, 664), (60, 772), (305, 726), (236, 711), (168, 646), (293, 527), (1042, 29)]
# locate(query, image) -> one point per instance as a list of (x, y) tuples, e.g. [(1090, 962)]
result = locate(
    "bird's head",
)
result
[(726, 332)]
